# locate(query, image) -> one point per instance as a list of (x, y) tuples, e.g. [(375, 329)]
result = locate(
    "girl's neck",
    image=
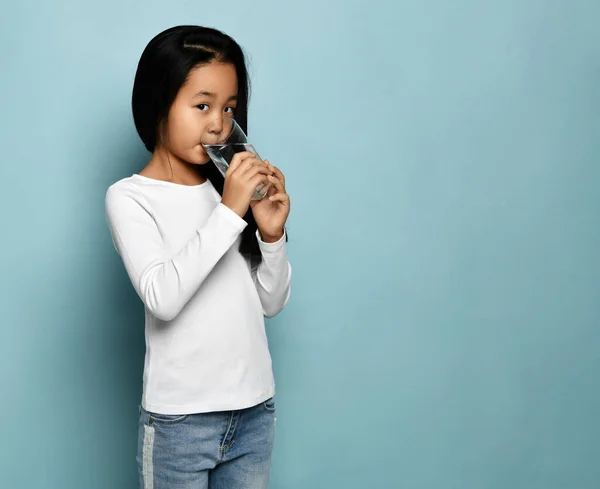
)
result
[(169, 168)]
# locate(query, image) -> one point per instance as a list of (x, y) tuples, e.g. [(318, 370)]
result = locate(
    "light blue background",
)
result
[(443, 163)]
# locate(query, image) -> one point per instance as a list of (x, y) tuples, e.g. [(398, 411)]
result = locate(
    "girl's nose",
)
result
[(216, 127)]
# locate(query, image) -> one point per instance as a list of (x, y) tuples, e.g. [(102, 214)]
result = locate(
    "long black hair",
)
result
[(164, 68)]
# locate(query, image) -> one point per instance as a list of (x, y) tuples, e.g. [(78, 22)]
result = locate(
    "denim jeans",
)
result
[(222, 450)]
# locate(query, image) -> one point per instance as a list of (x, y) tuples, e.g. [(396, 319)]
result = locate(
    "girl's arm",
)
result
[(272, 277), (166, 283)]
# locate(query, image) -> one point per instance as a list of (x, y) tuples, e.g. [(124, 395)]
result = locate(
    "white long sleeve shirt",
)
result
[(206, 346)]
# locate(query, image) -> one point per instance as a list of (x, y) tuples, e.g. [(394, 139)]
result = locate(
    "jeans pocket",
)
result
[(269, 405), (166, 418)]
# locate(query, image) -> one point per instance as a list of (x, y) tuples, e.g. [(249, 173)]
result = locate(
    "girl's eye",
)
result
[(202, 106), (230, 109)]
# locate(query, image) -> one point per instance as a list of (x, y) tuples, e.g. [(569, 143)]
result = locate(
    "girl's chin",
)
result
[(199, 158), (200, 162)]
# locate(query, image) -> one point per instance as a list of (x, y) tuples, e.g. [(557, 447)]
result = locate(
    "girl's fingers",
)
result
[(280, 194), (238, 159), (257, 179), (277, 172), (252, 164), (246, 167), (277, 183), (280, 197), (254, 169)]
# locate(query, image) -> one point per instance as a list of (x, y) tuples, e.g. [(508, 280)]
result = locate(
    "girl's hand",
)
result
[(245, 173), (272, 212)]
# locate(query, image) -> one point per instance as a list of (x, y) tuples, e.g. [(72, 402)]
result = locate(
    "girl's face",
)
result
[(210, 92)]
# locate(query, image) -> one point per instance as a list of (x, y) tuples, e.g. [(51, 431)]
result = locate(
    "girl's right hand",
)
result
[(245, 173)]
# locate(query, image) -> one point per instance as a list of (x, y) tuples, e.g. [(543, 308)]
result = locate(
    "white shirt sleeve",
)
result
[(272, 277), (166, 283)]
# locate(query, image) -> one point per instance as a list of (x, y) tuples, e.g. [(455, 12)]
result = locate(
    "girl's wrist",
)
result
[(271, 238)]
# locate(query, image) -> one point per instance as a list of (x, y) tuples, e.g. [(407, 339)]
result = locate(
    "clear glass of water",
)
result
[(222, 139)]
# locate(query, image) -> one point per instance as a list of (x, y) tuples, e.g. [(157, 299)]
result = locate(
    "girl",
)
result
[(208, 263)]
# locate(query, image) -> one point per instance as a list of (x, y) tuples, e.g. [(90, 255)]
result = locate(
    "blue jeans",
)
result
[(222, 450)]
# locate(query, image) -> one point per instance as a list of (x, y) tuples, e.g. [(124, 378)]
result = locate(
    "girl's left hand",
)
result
[(272, 212)]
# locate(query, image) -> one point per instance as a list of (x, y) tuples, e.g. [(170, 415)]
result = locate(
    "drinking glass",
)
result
[(222, 139)]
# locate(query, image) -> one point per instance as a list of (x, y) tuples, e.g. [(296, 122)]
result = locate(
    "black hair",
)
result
[(163, 69)]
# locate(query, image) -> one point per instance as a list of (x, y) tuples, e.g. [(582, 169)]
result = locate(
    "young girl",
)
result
[(209, 265)]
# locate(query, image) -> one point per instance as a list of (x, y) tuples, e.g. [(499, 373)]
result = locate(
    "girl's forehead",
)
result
[(218, 79)]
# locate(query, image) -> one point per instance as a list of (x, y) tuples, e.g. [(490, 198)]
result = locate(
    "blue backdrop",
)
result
[(443, 163)]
